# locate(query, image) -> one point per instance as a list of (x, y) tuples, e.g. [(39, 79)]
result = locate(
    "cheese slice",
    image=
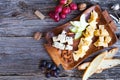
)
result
[(93, 66), (77, 56), (108, 63), (69, 40), (105, 64), (58, 45), (62, 37), (55, 38), (63, 32), (68, 47)]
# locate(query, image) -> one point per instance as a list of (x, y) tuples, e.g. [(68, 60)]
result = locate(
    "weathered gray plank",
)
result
[(39, 77), (22, 55), (26, 28), (42, 78), (26, 22)]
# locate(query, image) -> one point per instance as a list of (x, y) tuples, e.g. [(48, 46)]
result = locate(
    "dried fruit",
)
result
[(37, 35), (82, 6)]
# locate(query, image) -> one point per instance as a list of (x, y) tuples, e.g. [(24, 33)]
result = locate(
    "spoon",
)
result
[(116, 7)]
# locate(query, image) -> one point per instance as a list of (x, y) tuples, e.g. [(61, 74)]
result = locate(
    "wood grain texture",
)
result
[(20, 54)]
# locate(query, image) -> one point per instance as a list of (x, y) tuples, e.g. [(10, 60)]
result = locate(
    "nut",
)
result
[(67, 56), (37, 35), (82, 6)]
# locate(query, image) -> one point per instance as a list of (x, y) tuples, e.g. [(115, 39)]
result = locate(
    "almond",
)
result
[(37, 35)]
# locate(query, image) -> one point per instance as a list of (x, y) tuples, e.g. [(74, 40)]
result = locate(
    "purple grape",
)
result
[(55, 74), (66, 10), (73, 6), (43, 63), (48, 65), (57, 70), (48, 75), (53, 67), (58, 8)]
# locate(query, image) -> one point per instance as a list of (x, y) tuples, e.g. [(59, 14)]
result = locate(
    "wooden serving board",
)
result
[(103, 19)]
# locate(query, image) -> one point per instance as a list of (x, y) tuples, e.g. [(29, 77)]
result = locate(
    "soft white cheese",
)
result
[(55, 38), (63, 32), (68, 47), (59, 45), (61, 40), (62, 37), (55, 44), (69, 40)]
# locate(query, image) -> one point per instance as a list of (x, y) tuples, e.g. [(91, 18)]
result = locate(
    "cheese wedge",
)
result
[(108, 63), (112, 52), (105, 64), (109, 55), (93, 66), (83, 66)]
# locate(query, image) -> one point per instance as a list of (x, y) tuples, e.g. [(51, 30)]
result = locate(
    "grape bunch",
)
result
[(51, 70), (62, 9)]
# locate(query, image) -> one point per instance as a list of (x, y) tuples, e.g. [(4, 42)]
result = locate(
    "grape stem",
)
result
[(68, 2)]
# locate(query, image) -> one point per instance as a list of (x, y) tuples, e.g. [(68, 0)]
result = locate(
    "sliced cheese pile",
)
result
[(86, 40), (62, 41), (104, 37)]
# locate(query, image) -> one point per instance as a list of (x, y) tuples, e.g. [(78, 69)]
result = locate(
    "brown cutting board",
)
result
[(104, 19)]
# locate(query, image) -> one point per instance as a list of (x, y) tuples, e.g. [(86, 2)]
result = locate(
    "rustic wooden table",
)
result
[(20, 53)]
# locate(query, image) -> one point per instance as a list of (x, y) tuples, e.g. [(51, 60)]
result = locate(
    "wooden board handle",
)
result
[(109, 20)]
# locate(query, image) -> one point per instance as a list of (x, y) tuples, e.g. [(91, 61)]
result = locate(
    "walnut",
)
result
[(37, 35), (82, 6)]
